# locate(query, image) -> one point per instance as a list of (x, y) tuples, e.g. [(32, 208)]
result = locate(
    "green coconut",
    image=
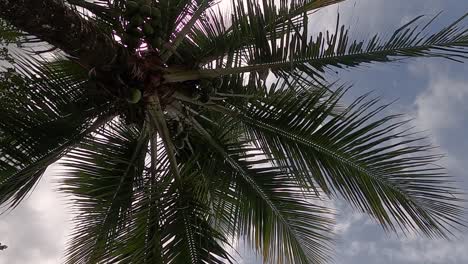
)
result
[(132, 6), (207, 86), (137, 20), (155, 12), (148, 30), (209, 89), (145, 10), (173, 9), (124, 38), (128, 14), (204, 97), (156, 24), (179, 143), (92, 75), (133, 40), (205, 82), (135, 96), (141, 2)]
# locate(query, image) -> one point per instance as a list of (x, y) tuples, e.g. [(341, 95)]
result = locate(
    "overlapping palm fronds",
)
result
[(257, 39), (43, 114), (210, 151)]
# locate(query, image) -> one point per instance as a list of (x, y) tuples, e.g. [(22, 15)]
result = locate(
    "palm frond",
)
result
[(375, 164), (158, 120), (219, 34), (8, 33), (142, 239), (101, 175), (171, 221), (267, 206), (207, 152), (292, 53), (166, 53), (188, 230), (42, 115), (338, 49), (97, 10)]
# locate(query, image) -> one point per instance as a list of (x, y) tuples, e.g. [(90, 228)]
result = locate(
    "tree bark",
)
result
[(57, 24)]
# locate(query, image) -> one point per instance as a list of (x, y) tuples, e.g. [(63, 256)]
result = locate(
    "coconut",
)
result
[(204, 97), (179, 143), (137, 20), (148, 30), (128, 38), (135, 96), (141, 2), (92, 74), (207, 86), (173, 9), (146, 10), (132, 6), (155, 12), (156, 24)]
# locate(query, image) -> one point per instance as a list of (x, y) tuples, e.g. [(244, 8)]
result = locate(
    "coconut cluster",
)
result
[(179, 132), (143, 23), (132, 79)]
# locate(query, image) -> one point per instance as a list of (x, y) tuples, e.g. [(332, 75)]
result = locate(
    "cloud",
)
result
[(370, 16), (443, 105), (441, 109), (246, 255), (421, 250), (36, 231)]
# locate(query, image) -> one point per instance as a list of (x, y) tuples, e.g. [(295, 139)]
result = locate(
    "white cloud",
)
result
[(347, 219), (36, 231), (441, 110), (420, 250), (443, 105)]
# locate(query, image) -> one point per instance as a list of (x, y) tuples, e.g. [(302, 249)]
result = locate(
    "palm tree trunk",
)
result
[(57, 24)]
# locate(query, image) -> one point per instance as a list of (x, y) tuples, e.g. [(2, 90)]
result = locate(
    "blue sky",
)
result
[(432, 91)]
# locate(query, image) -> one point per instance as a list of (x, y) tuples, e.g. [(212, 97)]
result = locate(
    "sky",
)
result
[(431, 91)]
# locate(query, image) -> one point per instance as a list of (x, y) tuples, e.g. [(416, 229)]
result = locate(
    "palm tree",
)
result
[(182, 129)]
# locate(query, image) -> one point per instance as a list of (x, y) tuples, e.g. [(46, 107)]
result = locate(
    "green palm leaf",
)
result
[(102, 174), (8, 33), (184, 231), (293, 52), (268, 206), (188, 230), (43, 114), (217, 34), (375, 165), (142, 241), (175, 145)]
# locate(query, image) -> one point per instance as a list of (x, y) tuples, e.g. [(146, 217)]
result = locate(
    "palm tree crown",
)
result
[(182, 128)]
